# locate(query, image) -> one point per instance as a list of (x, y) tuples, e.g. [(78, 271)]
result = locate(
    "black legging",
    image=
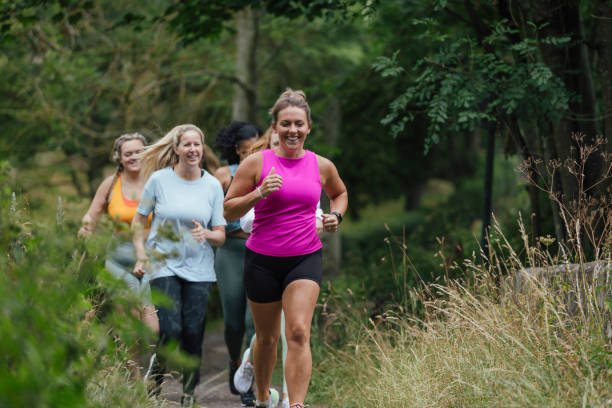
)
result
[(184, 321)]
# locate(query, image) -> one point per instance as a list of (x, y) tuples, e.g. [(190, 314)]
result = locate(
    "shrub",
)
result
[(58, 330)]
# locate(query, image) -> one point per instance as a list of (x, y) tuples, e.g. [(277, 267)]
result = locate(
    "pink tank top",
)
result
[(285, 224)]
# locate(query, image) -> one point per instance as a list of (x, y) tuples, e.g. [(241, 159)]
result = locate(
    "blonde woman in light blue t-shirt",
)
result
[(187, 206)]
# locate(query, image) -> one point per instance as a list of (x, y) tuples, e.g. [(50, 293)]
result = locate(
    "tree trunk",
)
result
[(571, 64), (332, 247), (603, 43), (244, 106), (488, 190), (525, 141)]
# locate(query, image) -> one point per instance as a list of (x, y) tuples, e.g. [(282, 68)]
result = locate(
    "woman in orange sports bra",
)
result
[(118, 196)]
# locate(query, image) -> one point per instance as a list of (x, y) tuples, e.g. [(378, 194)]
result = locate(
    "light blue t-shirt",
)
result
[(175, 202)]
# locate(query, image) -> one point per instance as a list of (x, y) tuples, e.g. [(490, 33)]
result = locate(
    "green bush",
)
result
[(58, 328)]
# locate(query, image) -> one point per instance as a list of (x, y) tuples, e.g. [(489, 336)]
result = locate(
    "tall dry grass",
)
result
[(530, 327)]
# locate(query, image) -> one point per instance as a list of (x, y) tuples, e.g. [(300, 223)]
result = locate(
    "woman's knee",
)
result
[(298, 335), (267, 340)]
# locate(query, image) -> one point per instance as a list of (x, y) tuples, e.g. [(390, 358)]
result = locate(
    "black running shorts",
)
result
[(266, 277)]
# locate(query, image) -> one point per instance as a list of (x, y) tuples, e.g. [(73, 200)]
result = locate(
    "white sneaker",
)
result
[(150, 369), (244, 375), (272, 402), (284, 403)]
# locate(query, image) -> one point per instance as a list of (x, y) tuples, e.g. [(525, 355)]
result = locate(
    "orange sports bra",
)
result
[(120, 208)]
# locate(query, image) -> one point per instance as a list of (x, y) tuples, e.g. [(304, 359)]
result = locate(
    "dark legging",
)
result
[(229, 264), (184, 321)]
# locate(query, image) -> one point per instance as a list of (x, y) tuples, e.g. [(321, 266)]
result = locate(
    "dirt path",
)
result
[(213, 389)]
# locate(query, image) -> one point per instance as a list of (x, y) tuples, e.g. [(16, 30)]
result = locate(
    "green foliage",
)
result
[(194, 20), (74, 87), (61, 323), (464, 83), (517, 332)]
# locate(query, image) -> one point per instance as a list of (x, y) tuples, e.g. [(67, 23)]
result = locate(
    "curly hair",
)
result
[(233, 135)]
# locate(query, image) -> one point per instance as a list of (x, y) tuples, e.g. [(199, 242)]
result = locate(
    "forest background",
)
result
[(437, 114)]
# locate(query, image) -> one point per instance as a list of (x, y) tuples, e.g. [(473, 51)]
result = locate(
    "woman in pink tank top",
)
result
[(283, 264)]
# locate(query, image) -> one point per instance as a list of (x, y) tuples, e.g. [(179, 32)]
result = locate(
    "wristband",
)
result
[(259, 192), (338, 215)]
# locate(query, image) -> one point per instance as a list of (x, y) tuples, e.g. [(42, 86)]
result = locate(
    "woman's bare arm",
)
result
[(214, 236), (139, 223), (241, 197), (336, 191), (96, 208), (224, 175)]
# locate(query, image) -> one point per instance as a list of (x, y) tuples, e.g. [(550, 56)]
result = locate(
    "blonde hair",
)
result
[(291, 98), (161, 153), (126, 137)]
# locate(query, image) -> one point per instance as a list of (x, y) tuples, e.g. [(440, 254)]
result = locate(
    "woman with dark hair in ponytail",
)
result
[(235, 143), (118, 196)]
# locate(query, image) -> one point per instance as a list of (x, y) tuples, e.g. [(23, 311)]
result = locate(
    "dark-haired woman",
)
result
[(283, 265), (235, 143)]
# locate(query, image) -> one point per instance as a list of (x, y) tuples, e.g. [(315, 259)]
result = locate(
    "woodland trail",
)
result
[(213, 389)]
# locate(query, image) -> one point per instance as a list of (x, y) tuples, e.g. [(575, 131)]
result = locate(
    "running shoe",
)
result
[(272, 402), (285, 403), (244, 375), (248, 398), (188, 401), (232, 372), (150, 369)]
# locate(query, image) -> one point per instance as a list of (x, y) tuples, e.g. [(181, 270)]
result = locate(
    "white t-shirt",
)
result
[(246, 221)]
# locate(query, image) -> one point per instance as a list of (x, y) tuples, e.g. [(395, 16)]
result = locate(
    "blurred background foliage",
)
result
[(425, 107)]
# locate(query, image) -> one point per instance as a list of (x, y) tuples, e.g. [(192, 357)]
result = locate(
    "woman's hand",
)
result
[(199, 233), (271, 183), (215, 237), (330, 222), (84, 231), (140, 267), (319, 224)]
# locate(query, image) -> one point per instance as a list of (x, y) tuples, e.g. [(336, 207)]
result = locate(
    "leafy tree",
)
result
[(498, 69), (76, 86)]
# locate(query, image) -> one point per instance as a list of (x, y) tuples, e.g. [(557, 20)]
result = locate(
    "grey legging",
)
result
[(120, 263), (229, 266)]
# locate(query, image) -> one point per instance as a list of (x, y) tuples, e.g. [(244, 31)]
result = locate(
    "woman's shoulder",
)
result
[(210, 179), (323, 162), (108, 181), (223, 173), (107, 184), (161, 173), (253, 160)]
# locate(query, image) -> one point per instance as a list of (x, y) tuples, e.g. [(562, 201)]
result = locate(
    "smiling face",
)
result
[(129, 152), (292, 127), (243, 148), (190, 148)]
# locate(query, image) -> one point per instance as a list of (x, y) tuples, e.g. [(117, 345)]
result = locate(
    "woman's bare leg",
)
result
[(266, 317), (299, 300)]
